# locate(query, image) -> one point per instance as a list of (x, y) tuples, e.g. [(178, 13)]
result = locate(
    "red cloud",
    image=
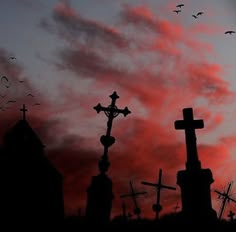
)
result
[(157, 70), (167, 72)]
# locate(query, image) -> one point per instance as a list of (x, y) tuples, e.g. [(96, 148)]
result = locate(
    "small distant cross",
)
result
[(189, 125), (134, 195), (157, 207), (231, 215), (24, 110), (225, 197)]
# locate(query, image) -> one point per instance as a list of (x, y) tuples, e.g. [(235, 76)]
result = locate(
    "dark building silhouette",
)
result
[(99, 193), (31, 187), (194, 181)]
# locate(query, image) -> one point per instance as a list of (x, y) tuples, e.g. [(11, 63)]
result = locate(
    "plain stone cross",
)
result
[(189, 125)]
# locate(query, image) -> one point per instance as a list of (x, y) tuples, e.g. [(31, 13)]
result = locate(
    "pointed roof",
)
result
[(22, 136), (22, 133)]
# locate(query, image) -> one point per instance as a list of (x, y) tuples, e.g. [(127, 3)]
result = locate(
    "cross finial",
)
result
[(23, 109)]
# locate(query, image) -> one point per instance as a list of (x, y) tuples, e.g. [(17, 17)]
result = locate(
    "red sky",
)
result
[(158, 67)]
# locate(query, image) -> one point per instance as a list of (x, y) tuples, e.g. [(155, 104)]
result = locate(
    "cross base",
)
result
[(196, 194), (103, 165), (99, 200), (193, 166)]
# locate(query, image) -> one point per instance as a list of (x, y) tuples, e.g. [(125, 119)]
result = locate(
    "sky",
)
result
[(71, 55)]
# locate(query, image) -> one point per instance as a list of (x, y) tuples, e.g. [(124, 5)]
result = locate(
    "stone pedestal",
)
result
[(196, 194), (99, 200)]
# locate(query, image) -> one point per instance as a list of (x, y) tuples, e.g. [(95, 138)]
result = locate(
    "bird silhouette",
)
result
[(180, 5), (10, 101), (36, 104), (3, 108), (200, 13), (21, 81), (177, 11), (7, 86), (4, 78), (12, 58), (229, 32), (30, 95), (194, 16)]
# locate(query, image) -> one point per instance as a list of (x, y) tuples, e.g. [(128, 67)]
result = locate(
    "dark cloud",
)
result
[(163, 74), (87, 62), (87, 30)]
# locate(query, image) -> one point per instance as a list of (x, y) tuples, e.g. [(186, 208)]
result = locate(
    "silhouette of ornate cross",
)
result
[(189, 125), (157, 207), (134, 195), (231, 215), (107, 140), (24, 110)]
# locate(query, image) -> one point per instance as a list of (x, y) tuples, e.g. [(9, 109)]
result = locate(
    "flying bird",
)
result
[(12, 58), (177, 11), (4, 77), (11, 101), (200, 13), (36, 104), (194, 16), (30, 95), (21, 81), (3, 108), (180, 5), (229, 32)]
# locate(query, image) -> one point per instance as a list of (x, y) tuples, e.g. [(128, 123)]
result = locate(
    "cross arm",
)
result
[(179, 125), (125, 195), (125, 111), (100, 108), (231, 199), (219, 192), (158, 186), (196, 124), (132, 194), (168, 187), (150, 184), (140, 193)]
